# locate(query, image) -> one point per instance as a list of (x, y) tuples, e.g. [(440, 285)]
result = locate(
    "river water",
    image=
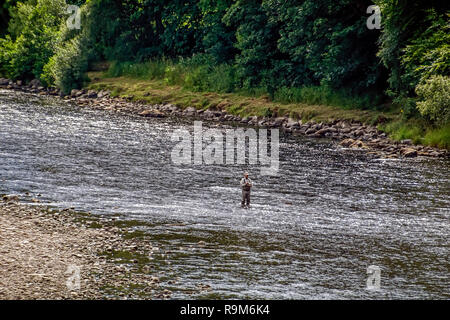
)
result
[(311, 233)]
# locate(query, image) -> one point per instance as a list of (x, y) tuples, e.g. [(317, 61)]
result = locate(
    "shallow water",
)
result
[(311, 233)]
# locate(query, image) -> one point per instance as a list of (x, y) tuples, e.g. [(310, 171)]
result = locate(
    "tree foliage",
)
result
[(284, 47)]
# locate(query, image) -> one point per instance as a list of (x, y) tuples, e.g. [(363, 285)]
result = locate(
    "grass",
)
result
[(157, 91), (418, 132), (438, 137)]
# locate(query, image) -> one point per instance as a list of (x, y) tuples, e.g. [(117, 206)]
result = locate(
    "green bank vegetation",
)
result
[(309, 59)]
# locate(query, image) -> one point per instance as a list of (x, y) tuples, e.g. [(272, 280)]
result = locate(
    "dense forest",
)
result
[(292, 51)]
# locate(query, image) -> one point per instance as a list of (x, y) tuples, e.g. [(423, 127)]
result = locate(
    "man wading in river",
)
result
[(246, 185)]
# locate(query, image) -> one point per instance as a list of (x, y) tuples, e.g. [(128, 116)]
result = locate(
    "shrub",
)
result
[(434, 95), (68, 66)]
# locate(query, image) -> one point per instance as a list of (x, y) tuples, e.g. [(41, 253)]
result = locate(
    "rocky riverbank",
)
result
[(42, 250), (349, 135)]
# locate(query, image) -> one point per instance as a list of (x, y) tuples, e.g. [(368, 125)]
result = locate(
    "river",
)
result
[(311, 233)]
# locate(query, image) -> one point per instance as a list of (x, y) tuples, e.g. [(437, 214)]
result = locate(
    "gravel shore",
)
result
[(42, 250)]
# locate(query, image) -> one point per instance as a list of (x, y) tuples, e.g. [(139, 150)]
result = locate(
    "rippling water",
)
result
[(311, 233)]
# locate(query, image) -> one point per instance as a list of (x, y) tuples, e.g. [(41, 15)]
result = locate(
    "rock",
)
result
[(406, 141), (322, 131), (278, 121), (76, 93), (435, 154), (19, 82), (92, 94), (347, 142), (408, 152), (211, 114), (4, 82), (103, 94), (152, 114), (291, 123), (262, 123), (11, 198), (201, 243), (228, 117), (358, 144), (310, 131), (35, 83), (346, 130), (169, 108), (253, 120), (190, 111)]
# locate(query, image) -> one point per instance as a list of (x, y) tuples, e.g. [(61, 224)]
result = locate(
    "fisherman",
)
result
[(246, 185)]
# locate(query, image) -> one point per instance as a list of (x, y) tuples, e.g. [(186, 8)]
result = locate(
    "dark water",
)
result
[(312, 231)]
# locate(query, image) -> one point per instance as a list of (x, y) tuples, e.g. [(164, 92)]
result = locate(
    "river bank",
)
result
[(41, 249), (348, 134)]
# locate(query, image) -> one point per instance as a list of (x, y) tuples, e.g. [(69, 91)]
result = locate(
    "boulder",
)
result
[(279, 121), (169, 108), (11, 198), (212, 114), (35, 83), (262, 123), (323, 131), (347, 142), (435, 154), (76, 93), (409, 152), (310, 131), (92, 94), (229, 117), (102, 94), (291, 123), (152, 114), (190, 111), (358, 144), (406, 141), (4, 82), (253, 120), (346, 130)]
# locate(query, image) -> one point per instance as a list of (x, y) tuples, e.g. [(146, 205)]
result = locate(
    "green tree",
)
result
[(403, 22), (327, 42), (256, 41), (33, 28)]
